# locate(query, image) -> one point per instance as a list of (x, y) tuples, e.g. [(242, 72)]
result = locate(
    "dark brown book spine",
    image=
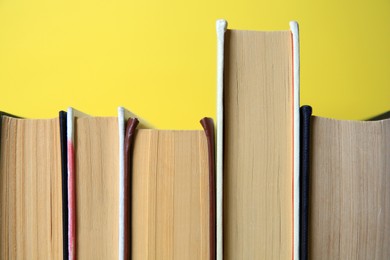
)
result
[(129, 137), (208, 127)]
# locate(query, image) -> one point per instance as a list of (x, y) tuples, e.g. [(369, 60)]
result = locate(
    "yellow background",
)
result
[(158, 58)]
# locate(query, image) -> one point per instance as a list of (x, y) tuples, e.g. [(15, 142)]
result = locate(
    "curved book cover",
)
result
[(382, 116), (131, 125), (208, 126)]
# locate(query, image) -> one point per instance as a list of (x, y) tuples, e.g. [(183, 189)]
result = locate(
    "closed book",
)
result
[(258, 143)]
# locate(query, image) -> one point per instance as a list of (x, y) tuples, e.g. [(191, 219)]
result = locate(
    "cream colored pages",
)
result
[(97, 187), (170, 195), (349, 190), (258, 145), (30, 188)]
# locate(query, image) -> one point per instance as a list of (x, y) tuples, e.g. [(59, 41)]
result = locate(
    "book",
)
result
[(30, 188), (348, 214), (257, 144), (97, 188), (173, 194), (304, 181), (64, 183), (93, 186)]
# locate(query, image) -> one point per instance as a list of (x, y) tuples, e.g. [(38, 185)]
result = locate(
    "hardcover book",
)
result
[(348, 212), (258, 144), (31, 213), (173, 194), (98, 193)]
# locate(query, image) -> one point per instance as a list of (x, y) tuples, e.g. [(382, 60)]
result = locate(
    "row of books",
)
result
[(272, 182), (79, 186)]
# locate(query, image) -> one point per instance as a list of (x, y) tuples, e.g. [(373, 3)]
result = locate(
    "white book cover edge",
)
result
[(296, 88), (71, 115), (221, 29)]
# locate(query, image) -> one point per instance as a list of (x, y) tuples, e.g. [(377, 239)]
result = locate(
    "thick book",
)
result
[(31, 213), (97, 188), (173, 194), (258, 144), (349, 193)]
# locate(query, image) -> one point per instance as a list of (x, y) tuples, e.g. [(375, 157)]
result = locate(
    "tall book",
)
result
[(257, 143), (31, 223), (349, 192), (173, 194)]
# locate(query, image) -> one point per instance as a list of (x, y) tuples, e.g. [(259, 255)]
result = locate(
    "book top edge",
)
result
[(345, 121), (29, 119), (169, 130), (259, 31)]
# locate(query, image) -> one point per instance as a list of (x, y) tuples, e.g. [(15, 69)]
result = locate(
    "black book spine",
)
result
[(383, 116), (305, 115), (64, 170)]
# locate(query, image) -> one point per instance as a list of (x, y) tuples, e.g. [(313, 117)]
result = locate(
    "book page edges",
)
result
[(221, 27)]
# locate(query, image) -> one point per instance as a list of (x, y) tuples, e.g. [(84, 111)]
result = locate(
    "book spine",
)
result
[(295, 110), (122, 117), (221, 26), (72, 220), (127, 212), (71, 186), (64, 172), (208, 127), (305, 112)]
